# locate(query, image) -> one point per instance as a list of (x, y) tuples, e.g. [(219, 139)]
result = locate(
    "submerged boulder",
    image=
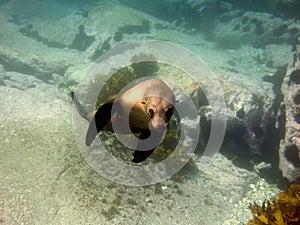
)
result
[(236, 28), (283, 8), (29, 54), (289, 153)]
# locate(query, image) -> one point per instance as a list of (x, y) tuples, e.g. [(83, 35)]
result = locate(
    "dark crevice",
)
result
[(276, 8), (159, 26), (15, 65), (250, 5), (83, 13), (295, 77), (276, 80), (297, 98), (104, 48), (131, 29), (297, 118), (275, 126), (157, 8), (28, 32), (291, 153), (259, 28), (280, 30), (267, 138), (31, 33), (241, 113), (81, 41)]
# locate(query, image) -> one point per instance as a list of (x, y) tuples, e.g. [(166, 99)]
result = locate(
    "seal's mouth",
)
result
[(158, 124)]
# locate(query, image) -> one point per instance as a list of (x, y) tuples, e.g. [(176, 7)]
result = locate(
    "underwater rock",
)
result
[(186, 16), (286, 8), (26, 55), (18, 80), (106, 23), (282, 8), (164, 10), (224, 177), (229, 23), (249, 111), (237, 28), (275, 53), (55, 43), (289, 152), (52, 23)]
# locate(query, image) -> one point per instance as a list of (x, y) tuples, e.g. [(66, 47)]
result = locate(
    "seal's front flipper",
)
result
[(78, 106), (140, 156), (100, 120)]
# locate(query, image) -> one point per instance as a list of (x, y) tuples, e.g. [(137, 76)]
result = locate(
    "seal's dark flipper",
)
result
[(101, 118), (78, 106), (72, 94), (140, 156)]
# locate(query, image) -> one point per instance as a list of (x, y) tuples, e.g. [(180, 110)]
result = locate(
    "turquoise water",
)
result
[(239, 52)]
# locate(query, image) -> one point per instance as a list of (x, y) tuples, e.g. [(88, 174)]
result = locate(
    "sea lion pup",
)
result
[(150, 106)]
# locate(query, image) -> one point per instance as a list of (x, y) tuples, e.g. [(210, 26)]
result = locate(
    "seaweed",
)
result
[(284, 209)]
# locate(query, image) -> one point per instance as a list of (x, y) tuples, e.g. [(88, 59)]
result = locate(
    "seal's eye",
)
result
[(169, 113), (151, 113)]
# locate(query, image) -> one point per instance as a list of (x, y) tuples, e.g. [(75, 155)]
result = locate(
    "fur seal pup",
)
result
[(149, 114)]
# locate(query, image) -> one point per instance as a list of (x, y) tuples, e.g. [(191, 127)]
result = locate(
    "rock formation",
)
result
[(289, 153)]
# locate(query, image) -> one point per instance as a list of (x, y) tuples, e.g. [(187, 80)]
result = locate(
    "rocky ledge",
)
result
[(289, 153)]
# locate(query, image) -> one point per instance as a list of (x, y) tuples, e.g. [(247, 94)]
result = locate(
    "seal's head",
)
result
[(160, 111)]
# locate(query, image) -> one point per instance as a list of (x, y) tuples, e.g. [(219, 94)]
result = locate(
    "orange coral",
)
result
[(284, 209)]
